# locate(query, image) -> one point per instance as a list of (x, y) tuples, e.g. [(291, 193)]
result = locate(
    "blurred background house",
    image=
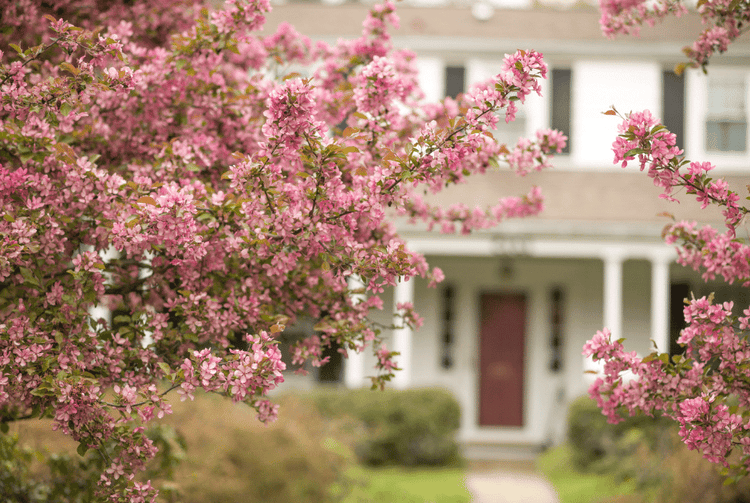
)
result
[(505, 330)]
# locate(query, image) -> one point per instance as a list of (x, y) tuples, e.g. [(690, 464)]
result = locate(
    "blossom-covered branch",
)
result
[(706, 390), (158, 160), (726, 20)]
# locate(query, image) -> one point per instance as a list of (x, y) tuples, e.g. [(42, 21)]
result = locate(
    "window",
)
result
[(560, 103), (510, 132), (673, 104), (330, 372), (449, 308), (455, 80), (726, 119), (458, 79)]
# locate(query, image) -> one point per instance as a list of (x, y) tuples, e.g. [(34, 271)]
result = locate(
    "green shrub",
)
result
[(210, 450), (36, 476), (647, 451), (232, 458), (693, 479), (402, 427), (625, 447)]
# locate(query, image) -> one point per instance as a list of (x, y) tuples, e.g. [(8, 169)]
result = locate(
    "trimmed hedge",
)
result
[(399, 427)]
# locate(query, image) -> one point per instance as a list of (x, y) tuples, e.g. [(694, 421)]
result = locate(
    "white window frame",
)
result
[(697, 114)]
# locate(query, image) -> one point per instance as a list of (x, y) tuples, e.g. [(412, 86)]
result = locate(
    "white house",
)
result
[(505, 330)]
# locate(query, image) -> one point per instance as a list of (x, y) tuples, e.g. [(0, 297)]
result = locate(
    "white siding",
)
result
[(597, 85), (431, 77)]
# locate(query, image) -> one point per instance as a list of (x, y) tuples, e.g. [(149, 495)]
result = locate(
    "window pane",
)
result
[(509, 133), (454, 80), (726, 96), (560, 103), (726, 136), (673, 104)]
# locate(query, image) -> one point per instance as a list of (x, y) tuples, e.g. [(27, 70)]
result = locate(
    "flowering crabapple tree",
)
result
[(725, 21), (157, 159), (707, 389)]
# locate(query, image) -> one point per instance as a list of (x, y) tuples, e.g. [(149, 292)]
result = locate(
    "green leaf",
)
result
[(41, 392), (634, 151), (65, 109), (165, 368), (9, 218), (16, 48), (4, 427), (70, 68), (321, 326), (82, 448), (29, 276)]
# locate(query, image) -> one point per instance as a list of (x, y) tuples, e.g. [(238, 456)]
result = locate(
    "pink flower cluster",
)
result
[(697, 389), (245, 376), (723, 17), (378, 88), (642, 135), (626, 16)]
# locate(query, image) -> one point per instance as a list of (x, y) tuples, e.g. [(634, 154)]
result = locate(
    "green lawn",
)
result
[(575, 487), (417, 485)]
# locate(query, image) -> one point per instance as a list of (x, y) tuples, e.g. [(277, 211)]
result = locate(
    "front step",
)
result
[(483, 451)]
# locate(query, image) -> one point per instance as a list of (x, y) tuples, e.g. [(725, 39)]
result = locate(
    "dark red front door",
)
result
[(501, 355)]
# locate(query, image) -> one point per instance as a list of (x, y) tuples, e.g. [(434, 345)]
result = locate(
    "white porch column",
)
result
[(660, 302), (354, 370), (402, 336), (613, 294), (354, 364), (613, 260)]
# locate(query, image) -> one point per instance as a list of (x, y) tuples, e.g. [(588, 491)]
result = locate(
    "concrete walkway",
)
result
[(508, 482)]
